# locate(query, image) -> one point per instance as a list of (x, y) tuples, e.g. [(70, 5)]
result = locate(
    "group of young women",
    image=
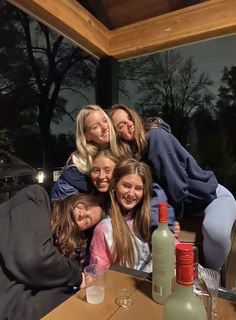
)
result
[(176, 176), (111, 185)]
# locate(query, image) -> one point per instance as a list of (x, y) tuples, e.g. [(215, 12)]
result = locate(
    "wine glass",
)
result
[(212, 280), (124, 300)]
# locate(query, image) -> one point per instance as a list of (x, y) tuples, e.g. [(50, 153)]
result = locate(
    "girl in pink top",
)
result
[(123, 237)]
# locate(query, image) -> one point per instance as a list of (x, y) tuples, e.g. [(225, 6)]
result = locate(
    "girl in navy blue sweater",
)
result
[(189, 188)]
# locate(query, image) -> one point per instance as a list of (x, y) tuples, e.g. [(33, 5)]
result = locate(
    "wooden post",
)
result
[(107, 82)]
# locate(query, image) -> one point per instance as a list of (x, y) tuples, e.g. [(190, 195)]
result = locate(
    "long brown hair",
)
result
[(124, 241), (67, 236), (140, 138)]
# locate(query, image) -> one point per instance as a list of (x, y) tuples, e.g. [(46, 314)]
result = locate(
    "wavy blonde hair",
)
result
[(123, 239), (67, 236), (140, 138), (86, 150)]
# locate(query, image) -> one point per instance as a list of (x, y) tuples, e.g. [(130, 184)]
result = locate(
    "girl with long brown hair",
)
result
[(189, 188), (38, 265), (71, 218), (123, 237)]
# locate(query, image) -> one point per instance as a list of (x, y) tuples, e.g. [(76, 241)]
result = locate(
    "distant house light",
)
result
[(40, 176)]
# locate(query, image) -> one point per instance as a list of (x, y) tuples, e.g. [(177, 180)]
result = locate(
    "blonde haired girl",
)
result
[(94, 131), (91, 136)]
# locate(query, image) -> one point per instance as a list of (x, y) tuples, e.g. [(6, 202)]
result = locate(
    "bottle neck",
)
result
[(163, 212), (184, 274), (184, 290), (162, 225)]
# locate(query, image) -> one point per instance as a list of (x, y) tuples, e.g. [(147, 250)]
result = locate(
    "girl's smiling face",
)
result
[(97, 128), (101, 173), (129, 191), (123, 124), (87, 217)]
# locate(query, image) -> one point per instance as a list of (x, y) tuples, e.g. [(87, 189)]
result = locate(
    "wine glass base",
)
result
[(124, 301), (215, 316)]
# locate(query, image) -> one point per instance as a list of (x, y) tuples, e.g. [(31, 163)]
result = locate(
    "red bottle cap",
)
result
[(163, 212), (184, 264)]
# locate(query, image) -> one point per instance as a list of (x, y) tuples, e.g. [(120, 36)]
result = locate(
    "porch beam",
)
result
[(71, 20), (200, 22)]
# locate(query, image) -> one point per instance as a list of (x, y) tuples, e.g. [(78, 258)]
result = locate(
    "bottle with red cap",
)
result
[(183, 304), (163, 254)]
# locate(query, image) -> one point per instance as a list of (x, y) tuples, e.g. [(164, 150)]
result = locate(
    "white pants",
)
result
[(219, 218)]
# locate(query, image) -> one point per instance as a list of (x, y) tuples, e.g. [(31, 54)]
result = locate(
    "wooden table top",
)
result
[(144, 307)]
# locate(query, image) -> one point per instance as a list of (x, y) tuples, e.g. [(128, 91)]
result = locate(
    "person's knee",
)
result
[(217, 233)]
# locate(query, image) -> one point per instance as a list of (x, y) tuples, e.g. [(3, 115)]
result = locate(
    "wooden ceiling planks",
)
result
[(119, 13), (209, 19)]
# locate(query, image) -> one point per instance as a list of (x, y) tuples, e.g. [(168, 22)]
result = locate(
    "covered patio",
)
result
[(116, 30)]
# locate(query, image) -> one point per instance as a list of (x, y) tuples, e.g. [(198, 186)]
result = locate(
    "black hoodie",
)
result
[(34, 276)]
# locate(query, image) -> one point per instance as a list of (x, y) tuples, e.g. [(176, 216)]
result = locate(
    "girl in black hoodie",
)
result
[(39, 250)]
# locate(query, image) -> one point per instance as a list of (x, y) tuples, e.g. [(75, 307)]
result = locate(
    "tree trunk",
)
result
[(46, 147)]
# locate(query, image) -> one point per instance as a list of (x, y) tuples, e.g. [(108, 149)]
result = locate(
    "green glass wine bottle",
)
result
[(163, 254), (183, 304)]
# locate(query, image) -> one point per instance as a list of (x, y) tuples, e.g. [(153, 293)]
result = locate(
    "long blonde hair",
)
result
[(67, 236), (86, 150), (140, 138), (124, 241)]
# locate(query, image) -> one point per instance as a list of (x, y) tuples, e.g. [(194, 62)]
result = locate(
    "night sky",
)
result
[(209, 56)]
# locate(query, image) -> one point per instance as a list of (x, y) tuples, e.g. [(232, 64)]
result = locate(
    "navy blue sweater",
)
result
[(71, 181), (186, 185)]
